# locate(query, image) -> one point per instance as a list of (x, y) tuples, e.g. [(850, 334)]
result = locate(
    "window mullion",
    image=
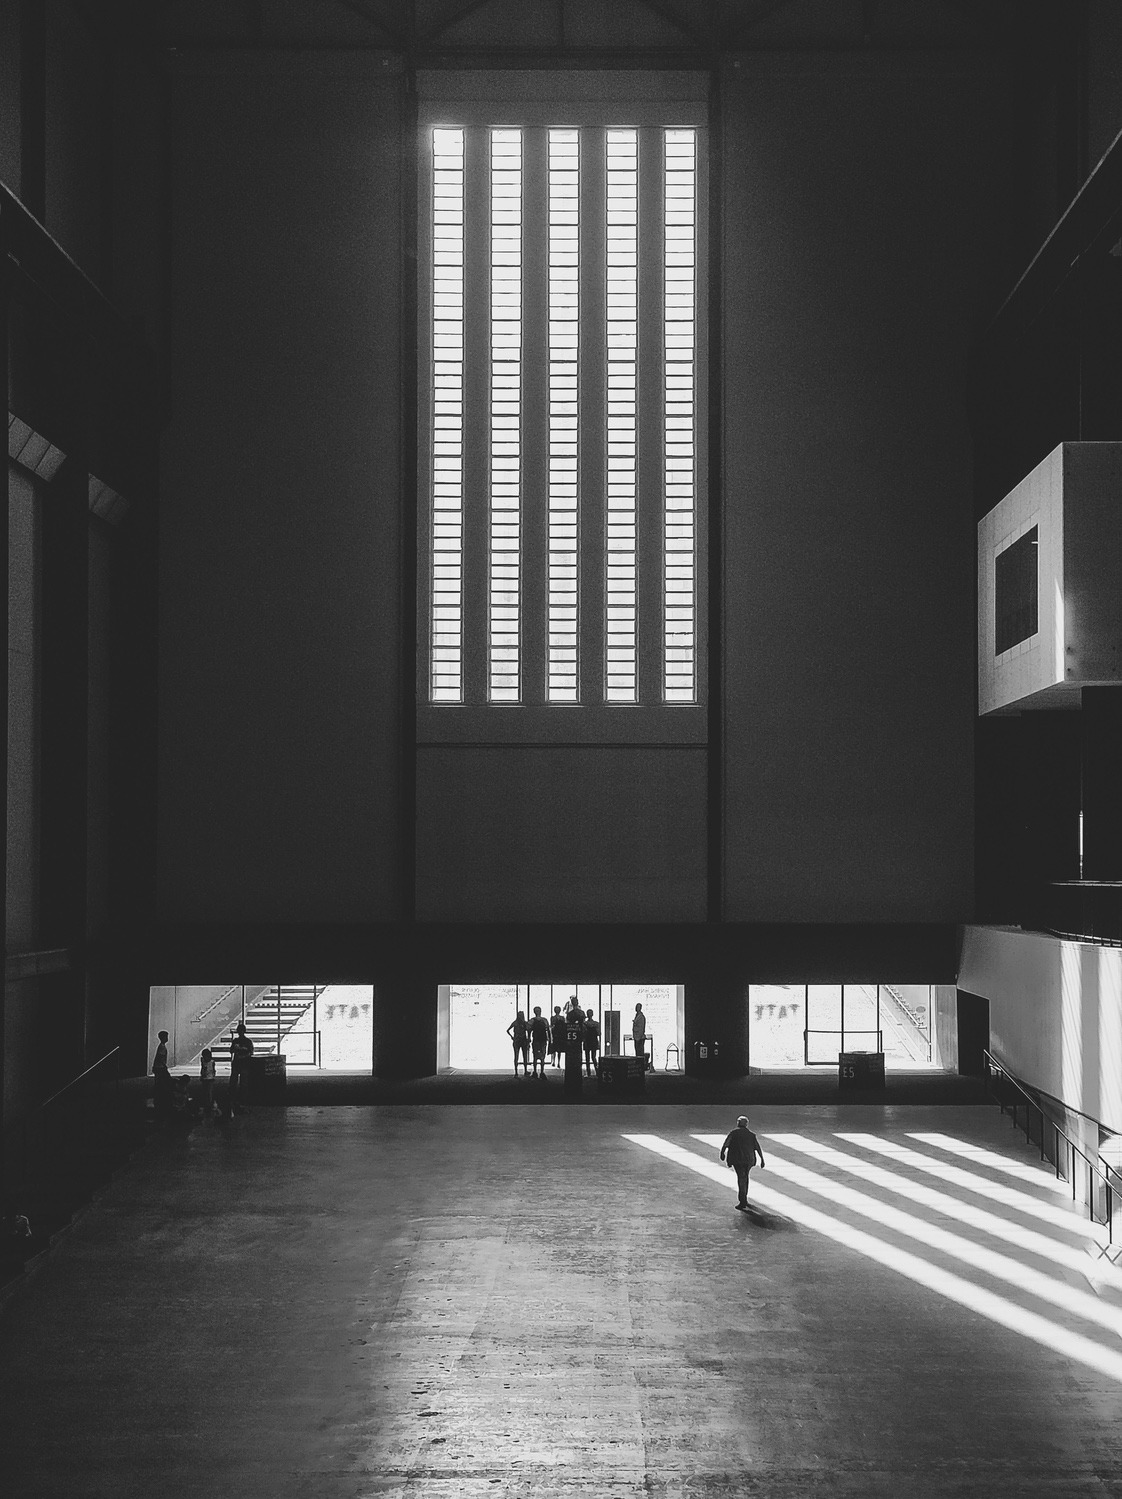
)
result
[(477, 260), (592, 413)]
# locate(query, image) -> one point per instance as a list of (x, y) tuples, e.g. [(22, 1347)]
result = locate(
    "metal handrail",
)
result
[(57, 1136), (1095, 1176), (74, 1081), (196, 1019)]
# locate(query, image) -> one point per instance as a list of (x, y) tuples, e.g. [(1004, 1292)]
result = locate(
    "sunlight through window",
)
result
[(953, 1287)]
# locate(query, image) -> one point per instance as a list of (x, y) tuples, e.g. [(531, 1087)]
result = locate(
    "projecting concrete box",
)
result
[(1049, 576)]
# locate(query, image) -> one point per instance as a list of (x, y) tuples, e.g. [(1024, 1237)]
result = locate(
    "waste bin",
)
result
[(860, 1069), (268, 1078)]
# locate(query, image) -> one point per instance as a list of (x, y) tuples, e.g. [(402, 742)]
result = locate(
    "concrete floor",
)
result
[(412, 1300)]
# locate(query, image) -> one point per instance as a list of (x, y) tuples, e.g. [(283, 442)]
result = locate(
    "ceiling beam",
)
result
[(451, 18), (750, 15), (392, 34), (667, 12)]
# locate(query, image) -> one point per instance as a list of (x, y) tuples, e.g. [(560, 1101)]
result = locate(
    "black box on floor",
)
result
[(623, 1073), (268, 1078), (860, 1069)]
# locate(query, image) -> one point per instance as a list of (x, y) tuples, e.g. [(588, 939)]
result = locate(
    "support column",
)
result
[(405, 1027), (1101, 754), (717, 1012)]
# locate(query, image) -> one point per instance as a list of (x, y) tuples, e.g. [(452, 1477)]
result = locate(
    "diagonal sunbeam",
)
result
[(970, 1181), (944, 1282), (997, 1162), (1028, 1239), (1069, 1298)]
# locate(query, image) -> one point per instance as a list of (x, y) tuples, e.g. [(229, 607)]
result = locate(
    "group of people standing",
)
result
[(540, 1037), (173, 1096)]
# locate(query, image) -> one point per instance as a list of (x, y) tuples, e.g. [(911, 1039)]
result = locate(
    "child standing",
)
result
[(207, 1073)]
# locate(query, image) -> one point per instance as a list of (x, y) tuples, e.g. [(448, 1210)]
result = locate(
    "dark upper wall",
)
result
[(864, 198), (863, 207), (280, 491), (1103, 77)]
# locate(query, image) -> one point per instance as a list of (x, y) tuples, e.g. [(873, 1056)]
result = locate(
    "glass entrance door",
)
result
[(478, 1016)]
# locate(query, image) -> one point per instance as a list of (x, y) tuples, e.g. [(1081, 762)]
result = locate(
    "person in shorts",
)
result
[(539, 1039), (519, 1033)]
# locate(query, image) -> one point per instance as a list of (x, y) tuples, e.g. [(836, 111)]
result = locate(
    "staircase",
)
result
[(270, 1018)]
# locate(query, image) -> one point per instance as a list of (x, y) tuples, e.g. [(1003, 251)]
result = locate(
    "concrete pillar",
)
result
[(1101, 725), (717, 1011), (405, 1026)]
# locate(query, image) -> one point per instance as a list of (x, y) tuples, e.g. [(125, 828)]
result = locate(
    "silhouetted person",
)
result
[(557, 1027), (519, 1034), (207, 1073), (241, 1050), (741, 1149), (182, 1104), (639, 1032), (162, 1084), (539, 1039), (591, 1042)]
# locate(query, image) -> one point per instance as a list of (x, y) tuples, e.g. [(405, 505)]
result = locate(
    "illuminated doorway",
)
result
[(807, 1025), (473, 1019), (315, 1027)]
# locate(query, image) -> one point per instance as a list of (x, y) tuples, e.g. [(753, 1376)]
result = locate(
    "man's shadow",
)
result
[(763, 1219)]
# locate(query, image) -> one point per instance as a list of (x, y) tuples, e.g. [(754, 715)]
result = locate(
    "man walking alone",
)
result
[(741, 1149)]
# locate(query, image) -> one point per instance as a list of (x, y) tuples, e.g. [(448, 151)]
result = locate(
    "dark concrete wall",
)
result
[(561, 834), (281, 476), (863, 205), (863, 202), (77, 87), (1104, 76)]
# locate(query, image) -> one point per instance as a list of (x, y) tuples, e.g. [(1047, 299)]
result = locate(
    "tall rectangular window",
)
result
[(564, 508), (506, 415), (447, 416), (564, 438), (680, 415), (621, 297)]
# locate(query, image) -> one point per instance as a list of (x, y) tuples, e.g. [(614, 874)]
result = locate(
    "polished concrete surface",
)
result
[(465, 1300)]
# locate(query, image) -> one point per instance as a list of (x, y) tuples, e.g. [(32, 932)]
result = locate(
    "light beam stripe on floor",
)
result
[(999, 1266), (944, 1282), (1026, 1239), (1040, 1176), (1010, 1197)]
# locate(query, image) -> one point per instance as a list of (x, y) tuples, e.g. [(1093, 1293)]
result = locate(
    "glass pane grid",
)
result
[(505, 519), (617, 542), (621, 294), (446, 625), (679, 416), (562, 605)]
